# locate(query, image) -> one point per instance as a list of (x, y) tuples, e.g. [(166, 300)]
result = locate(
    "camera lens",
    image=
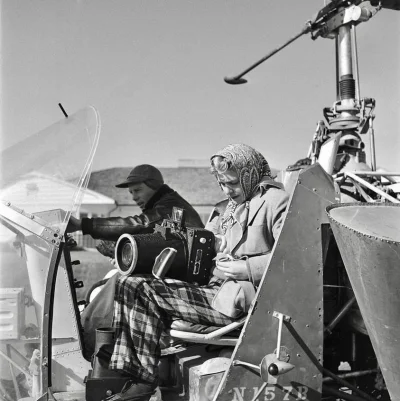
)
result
[(127, 254)]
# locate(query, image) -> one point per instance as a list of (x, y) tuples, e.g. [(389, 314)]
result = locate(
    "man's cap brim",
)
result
[(130, 182)]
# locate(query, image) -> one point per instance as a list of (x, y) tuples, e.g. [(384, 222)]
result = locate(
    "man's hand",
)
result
[(235, 269), (74, 224), (220, 244)]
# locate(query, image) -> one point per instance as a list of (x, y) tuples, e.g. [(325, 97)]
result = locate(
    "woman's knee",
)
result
[(133, 281)]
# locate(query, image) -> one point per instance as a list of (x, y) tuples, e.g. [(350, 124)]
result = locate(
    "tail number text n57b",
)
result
[(269, 394)]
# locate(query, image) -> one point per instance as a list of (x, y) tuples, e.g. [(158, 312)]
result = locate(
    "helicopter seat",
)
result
[(198, 333)]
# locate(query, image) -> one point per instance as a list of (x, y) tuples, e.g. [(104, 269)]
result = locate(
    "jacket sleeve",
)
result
[(275, 216), (213, 223), (111, 228)]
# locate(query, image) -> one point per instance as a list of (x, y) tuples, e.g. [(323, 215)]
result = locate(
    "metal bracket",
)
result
[(353, 14), (30, 222), (281, 317)]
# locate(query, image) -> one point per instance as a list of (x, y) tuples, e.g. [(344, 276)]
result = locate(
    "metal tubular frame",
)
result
[(354, 177)]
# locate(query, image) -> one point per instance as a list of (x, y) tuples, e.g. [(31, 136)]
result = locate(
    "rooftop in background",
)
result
[(195, 184), (193, 162)]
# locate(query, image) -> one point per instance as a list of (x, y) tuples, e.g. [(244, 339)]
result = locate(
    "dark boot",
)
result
[(134, 391)]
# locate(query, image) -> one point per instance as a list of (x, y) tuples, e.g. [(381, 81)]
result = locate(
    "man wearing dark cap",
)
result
[(156, 199)]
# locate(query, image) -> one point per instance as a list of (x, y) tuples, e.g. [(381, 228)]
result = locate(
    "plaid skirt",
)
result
[(144, 308)]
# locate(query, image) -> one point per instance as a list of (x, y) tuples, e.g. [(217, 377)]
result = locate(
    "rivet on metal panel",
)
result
[(314, 189), (298, 355)]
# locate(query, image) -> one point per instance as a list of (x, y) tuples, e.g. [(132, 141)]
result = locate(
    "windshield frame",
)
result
[(46, 226)]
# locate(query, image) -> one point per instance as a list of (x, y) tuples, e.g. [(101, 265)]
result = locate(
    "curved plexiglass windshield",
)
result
[(42, 181)]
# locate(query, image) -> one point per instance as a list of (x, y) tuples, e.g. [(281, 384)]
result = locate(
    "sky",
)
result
[(154, 70)]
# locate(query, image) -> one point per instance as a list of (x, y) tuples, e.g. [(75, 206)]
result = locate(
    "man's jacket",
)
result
[(99, 312), (158, 208)]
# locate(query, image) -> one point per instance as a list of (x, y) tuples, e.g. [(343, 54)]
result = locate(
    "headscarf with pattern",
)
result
[(251, 168), (249, 164)]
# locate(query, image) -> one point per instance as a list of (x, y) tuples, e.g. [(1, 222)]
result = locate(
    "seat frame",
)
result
[(216, 337)]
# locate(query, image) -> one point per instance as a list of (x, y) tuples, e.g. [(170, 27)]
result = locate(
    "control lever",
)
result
[(271, 367)]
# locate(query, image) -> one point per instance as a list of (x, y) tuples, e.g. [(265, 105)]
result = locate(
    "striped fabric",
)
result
[(144, 308)]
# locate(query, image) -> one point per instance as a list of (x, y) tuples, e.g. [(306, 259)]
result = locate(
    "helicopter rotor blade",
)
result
[(236, 80)]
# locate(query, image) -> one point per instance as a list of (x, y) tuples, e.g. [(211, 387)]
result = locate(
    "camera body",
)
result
[(192, 261)]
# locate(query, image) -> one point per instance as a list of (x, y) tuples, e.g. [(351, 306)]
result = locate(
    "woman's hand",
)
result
[(220, 244), (235, 269)]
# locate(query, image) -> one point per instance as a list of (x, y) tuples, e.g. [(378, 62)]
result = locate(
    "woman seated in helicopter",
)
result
[(245, 226)]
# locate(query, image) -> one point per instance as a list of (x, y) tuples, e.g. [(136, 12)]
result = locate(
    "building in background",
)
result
[(37, 192), (195, 184)]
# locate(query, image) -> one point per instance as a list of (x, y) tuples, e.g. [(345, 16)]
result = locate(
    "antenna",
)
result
[(62, 109)]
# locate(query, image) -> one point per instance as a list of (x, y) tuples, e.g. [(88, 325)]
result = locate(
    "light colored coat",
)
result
[(256, 227)]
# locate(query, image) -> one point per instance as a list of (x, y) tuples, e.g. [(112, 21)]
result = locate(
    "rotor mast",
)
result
[(349, 114)]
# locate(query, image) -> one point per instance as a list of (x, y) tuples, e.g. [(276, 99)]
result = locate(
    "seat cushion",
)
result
[(182, 325)]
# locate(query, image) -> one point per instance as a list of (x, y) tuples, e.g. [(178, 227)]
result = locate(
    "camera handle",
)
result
[(163, 262)]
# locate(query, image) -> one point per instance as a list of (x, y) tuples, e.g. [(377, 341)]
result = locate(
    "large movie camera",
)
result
[(172, 250)]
